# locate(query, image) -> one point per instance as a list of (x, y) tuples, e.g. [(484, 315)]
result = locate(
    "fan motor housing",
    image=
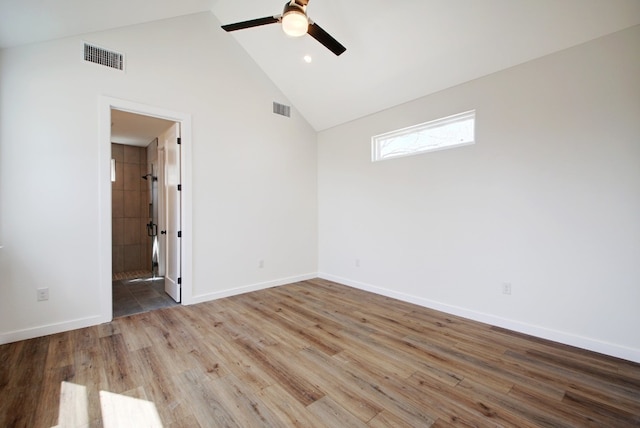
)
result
[(288, 7)]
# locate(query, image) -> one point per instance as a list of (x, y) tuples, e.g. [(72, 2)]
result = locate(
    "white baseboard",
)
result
[(45, 330), (613, 350), (248, 288), (30, 333), (610, 349)]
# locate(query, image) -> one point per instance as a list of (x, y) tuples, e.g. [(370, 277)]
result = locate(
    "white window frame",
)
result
[(420, 131)]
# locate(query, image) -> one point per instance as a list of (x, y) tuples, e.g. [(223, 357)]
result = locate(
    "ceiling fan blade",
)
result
[(325, 38), (251, 23)]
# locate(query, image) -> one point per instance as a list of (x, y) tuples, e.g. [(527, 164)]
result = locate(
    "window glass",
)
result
[(448, 132)]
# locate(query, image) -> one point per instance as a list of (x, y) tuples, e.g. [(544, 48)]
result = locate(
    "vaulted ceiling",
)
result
[(396, 50)]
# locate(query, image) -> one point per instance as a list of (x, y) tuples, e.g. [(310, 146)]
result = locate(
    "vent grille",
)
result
[(281, 109), (104, 57)]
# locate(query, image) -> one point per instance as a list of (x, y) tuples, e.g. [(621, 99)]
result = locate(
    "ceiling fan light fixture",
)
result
[(294, 21)]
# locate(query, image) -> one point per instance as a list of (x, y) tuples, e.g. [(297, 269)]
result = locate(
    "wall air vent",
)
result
[(281, 109), (103, 56)]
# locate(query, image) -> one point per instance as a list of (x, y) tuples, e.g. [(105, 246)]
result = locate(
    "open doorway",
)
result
[(184, 224), (145, 212)]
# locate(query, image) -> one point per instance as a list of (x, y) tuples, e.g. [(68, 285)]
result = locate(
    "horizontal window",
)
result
[(448, 132)]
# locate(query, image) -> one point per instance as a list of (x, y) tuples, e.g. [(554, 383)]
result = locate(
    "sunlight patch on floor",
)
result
[(118, 411)]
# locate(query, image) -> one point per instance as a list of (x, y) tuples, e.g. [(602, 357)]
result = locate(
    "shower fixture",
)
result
[(145, 177)]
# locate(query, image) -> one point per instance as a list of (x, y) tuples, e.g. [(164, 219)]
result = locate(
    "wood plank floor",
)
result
[(318, 354)]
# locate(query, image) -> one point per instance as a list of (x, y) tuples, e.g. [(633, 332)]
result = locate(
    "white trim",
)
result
[(594, 345), (252, 287), (45, 330), (104, 169)]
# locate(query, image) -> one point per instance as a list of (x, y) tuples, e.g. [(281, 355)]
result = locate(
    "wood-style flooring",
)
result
[(318, 354)]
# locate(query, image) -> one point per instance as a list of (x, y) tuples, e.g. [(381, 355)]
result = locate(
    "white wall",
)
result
[(547, 200), (253, 173)]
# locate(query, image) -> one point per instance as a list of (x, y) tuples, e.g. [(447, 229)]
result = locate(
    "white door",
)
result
[(172, 211), (162, 222)]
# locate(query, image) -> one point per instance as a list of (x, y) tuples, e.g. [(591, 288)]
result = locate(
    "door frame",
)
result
[(104, 194)]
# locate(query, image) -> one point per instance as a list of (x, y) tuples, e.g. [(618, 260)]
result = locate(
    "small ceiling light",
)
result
[(308, 59), (294, 20)]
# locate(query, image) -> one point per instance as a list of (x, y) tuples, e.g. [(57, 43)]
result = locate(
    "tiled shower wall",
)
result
[(131, 247)]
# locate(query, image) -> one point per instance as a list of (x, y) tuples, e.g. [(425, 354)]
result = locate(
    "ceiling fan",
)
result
[(295, 23)]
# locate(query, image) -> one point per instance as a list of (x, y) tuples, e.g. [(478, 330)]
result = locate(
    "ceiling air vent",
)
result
[(281, 109), (103, 56)]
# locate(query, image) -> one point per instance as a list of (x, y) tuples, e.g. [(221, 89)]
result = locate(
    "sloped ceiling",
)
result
[(396, 50), (30, 21)]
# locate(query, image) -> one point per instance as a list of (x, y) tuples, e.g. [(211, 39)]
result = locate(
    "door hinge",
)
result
[(179, 140), (179, 234), (179, 281), (179, 187)]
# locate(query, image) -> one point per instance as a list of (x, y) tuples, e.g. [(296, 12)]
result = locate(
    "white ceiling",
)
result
[(135, 129), (29, 21), (396, 50)]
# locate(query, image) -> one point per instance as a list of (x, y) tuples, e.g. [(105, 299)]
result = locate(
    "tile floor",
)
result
[(135, 295)]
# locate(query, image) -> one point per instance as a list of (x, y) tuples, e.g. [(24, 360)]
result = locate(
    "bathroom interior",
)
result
[(138, 284)]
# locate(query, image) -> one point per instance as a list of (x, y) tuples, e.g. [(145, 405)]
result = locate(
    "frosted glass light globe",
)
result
[(294, 23)]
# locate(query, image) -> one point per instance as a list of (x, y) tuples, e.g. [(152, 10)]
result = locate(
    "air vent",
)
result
[(104, 57), (281, 109)]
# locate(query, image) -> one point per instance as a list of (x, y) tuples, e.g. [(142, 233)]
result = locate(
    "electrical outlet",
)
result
[(261, 264), (43, 294), (506, 288), (357, 262)]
